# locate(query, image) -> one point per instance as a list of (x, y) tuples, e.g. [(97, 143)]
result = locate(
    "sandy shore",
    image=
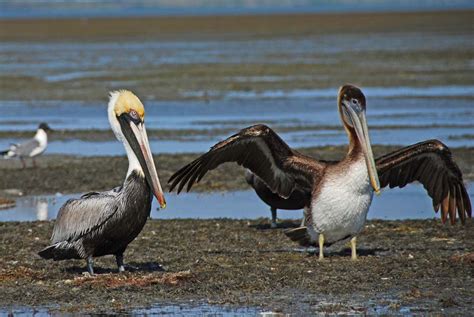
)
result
[(374, 61), (69, 174), (421, 266), (231, 26)]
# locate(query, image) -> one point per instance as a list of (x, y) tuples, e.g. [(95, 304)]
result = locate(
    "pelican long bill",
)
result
[(357, 115), (136, 135)]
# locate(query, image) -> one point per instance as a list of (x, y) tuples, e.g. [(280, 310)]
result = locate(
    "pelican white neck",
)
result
[(133, 163)]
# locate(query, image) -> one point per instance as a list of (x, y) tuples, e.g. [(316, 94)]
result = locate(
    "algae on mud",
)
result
[(422, 266)]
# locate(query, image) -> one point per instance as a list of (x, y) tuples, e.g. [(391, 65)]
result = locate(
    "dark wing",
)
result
[(25, 149), (78, 217), (262, 151), (430, 163)]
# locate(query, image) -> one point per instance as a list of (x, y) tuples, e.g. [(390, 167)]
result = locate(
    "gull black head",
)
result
[(45, 127)]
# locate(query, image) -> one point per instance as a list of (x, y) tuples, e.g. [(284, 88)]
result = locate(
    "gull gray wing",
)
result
[(26, 148), (262, 151), (78, 217), (430, 163)]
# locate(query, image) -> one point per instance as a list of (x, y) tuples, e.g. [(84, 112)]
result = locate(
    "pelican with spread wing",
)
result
[(336, 194), (102, 223)]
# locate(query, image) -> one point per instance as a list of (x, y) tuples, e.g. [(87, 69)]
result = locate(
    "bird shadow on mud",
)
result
[(131, 267), (346, 252), (286, 224)]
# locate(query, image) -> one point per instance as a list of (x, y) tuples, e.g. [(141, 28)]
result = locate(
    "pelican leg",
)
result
[(119, 259), (354, 248), (274, 217), (23, 164), (305, 216), (34, 162), (90, 265), (321, 246)]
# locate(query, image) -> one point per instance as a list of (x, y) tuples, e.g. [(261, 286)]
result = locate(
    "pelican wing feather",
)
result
[(430, 163)]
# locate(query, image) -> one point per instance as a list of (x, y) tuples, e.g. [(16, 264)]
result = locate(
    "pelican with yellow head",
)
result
[(104, 223)]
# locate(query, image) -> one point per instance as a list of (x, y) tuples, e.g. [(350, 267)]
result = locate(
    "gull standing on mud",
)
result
[(102, 223), (31, 148), (339, 193)]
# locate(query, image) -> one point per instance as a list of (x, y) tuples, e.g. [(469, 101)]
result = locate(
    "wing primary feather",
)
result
[(452, 206), (460, 204), (445, 208), (436, 207), (181, 173), (466, 201)]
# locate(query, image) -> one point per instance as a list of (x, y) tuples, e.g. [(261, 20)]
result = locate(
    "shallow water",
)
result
[(411, 202), (98, 8), (234, 113), (157, 309)]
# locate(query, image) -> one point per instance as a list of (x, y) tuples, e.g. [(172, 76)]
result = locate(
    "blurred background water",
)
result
[(98, 8), (416, 83)]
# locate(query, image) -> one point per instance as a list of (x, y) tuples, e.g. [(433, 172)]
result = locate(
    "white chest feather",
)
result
[(340, 209), (42, 139)]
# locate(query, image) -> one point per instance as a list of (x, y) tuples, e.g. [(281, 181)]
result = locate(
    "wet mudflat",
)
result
[(404, 266), (72, 174)]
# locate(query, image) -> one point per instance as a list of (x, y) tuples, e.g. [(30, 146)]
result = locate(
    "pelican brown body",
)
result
[(102, 223), (337, 195)]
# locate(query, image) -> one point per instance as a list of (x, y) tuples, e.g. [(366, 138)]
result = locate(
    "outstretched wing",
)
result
[(262, 151), (78, 217), (430, 163)]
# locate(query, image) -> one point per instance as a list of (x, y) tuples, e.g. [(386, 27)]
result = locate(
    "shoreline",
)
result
[(235, 26), (73, 174), (99, 135)]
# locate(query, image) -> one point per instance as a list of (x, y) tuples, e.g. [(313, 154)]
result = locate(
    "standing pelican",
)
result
[(31, 148), (297, 199), (104, 223), (339, 193)]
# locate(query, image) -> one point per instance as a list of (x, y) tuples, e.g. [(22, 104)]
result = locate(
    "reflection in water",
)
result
[(30, 208), (42, 209)]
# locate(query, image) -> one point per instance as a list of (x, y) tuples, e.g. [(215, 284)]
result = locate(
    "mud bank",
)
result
[(68, 174), (404, 266)]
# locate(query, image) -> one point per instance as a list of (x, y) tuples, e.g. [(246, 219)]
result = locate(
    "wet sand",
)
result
[(231, 26), (404, 266), (69, 174), (173, 58)]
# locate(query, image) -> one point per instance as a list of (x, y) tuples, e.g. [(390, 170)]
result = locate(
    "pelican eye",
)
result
[(354, 102), (134, 115)]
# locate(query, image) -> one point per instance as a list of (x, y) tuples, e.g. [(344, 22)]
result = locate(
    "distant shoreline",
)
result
[(72, 174), (89, 9), (231, 26)]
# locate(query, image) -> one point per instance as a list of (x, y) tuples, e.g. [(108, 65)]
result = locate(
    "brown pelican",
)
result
[(297, 199), (104, 223), (340, 193), (31, 148)]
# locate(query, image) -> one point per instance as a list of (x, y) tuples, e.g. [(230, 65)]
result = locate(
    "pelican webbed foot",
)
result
[(354, 248), (321, 246), (119, 259)]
